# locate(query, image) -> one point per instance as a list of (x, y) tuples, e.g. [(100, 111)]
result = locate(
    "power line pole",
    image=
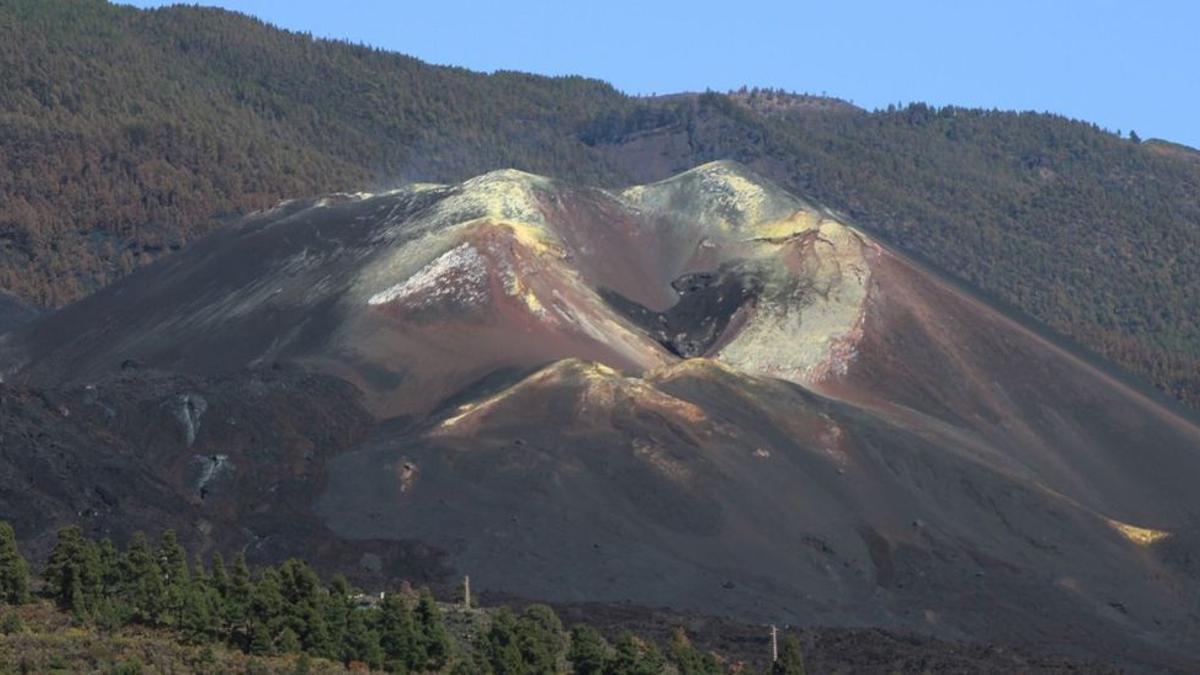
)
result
[(467, 591), (774, 644)]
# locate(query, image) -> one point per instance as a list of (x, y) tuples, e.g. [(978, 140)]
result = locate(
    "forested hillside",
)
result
[(124, 134), (151, 607)]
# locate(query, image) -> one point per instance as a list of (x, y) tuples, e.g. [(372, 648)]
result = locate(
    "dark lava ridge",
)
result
[(707, 303)]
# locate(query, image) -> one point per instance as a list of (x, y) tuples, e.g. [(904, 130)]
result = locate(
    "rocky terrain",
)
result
[(703, 393)]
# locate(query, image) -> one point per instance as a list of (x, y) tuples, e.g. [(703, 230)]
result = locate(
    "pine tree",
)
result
[(142, 581), (197, 620), (172, 560), (218, 582), (336, 610), (791, 658), (303, 597), (72, 571), (260, 639), (240, 581), (288, 641), (92, 573), (432, 634), (299, 584), (470, 664), (109, 561), (14, 571), (360, 643), (266, 602), (398, 634), (112, 614), (689, 660), (237, 601), (504, 653), (587, 654), (635, 657), (540, 639), (220, 579), (199, 573), (339, 586), (78, 604), (315, 632)]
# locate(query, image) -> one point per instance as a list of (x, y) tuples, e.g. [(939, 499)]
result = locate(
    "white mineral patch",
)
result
[(189, 408), (211, 468), (458, 275)]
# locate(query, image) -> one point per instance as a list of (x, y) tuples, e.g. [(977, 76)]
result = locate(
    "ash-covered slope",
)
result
[(703, 393)]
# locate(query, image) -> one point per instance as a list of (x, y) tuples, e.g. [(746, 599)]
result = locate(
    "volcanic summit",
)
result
[(702, 393)]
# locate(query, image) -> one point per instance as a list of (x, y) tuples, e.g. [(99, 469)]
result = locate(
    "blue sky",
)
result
[(1122, 64)]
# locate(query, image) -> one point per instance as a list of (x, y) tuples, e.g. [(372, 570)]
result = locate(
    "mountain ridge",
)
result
[(1091, 234)]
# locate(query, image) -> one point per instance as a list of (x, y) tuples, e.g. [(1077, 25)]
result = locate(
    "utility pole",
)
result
[(467, 591), (774, 644)]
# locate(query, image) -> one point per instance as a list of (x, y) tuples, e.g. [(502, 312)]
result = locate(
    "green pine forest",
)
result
[(125, 134), (287, 619)]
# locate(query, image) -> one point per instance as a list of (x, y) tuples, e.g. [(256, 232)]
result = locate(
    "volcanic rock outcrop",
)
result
[(703, 393)]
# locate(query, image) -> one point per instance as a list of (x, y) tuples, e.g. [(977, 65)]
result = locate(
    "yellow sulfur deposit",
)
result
[(1142, 536)]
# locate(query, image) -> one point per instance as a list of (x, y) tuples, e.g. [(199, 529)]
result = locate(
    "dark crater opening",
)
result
[(707, 301)]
